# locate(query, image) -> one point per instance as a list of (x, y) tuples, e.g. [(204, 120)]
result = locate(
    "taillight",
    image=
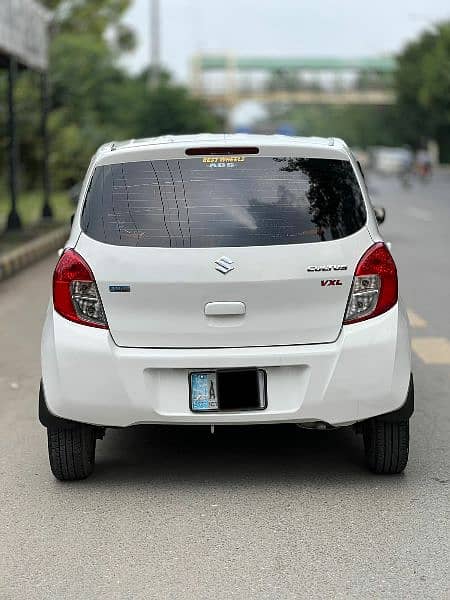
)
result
[(75, 293), (375, 285)]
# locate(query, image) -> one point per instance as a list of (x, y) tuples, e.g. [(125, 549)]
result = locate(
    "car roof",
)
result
[(175, 145)]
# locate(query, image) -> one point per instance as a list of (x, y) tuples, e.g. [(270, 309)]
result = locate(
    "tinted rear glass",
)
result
[(223, 201)]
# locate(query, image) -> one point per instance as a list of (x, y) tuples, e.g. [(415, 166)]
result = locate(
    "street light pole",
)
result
[(47, 211), (14, 221), (155, 44)]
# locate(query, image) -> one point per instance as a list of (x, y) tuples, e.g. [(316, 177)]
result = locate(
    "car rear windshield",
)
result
[(223, 201)]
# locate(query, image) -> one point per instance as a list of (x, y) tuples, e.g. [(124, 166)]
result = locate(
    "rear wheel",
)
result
[(71, 451), (386, 445)]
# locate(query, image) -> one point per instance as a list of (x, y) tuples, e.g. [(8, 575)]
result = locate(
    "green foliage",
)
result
[(421, 113), (93, 100), (169, 109), (423, 90), (360, 126), (87, 16), (30, 206)]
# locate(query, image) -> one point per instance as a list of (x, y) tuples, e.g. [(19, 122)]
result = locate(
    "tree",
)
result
[(421, 113), (423, 90), (360, 126), (93, 100), (170, 109), (81, 17)]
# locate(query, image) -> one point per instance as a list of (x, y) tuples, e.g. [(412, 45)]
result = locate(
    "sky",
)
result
[(343, 28)]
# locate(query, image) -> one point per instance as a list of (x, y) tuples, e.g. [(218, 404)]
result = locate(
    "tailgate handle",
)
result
[(220, 309)]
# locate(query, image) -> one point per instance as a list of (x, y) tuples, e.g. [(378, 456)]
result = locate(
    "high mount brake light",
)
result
[(223, 151), (375, 285), (75, 293)]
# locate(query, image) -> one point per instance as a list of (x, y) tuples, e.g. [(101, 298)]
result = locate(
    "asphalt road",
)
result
[(265, 513)]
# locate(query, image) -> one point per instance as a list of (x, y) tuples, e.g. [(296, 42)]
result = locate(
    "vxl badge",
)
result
[(224, 265)]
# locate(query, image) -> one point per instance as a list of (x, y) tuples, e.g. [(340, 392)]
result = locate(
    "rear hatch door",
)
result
[(261, 253)]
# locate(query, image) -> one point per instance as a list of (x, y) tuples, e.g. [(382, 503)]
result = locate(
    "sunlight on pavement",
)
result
[(432, 350), (415, 320)]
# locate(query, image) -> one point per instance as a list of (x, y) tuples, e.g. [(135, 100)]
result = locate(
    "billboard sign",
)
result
[(24, 32)]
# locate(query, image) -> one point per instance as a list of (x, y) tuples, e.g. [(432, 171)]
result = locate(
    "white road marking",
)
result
[(419, 213), (416, 320), (432, 350)]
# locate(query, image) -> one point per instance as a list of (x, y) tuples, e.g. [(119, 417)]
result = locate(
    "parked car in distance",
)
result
[(391, 161), (225, 280)]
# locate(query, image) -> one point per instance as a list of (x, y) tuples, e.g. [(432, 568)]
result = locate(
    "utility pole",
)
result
[(47, 211), (14, 221), (155, 44)]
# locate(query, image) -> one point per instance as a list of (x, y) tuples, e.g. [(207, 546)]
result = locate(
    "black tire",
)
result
[(386, 445), (71, 451)]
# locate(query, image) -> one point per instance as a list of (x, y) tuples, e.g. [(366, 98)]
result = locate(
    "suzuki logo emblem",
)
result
[(224, 265)]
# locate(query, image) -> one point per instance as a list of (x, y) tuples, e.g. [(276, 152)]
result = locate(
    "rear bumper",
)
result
[(88, 378)]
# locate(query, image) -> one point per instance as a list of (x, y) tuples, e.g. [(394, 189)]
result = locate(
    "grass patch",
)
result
[(29, 207)]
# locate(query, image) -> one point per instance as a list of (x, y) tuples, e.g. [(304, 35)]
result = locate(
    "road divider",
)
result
[(14, 261)]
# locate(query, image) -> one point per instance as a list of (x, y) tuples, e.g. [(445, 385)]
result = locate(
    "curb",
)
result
[(30, 252)]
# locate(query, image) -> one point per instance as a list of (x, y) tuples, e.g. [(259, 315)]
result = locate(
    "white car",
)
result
[(225, 280), (392, 161)]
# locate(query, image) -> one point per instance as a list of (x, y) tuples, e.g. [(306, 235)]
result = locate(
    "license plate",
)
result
[(204, 391)]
